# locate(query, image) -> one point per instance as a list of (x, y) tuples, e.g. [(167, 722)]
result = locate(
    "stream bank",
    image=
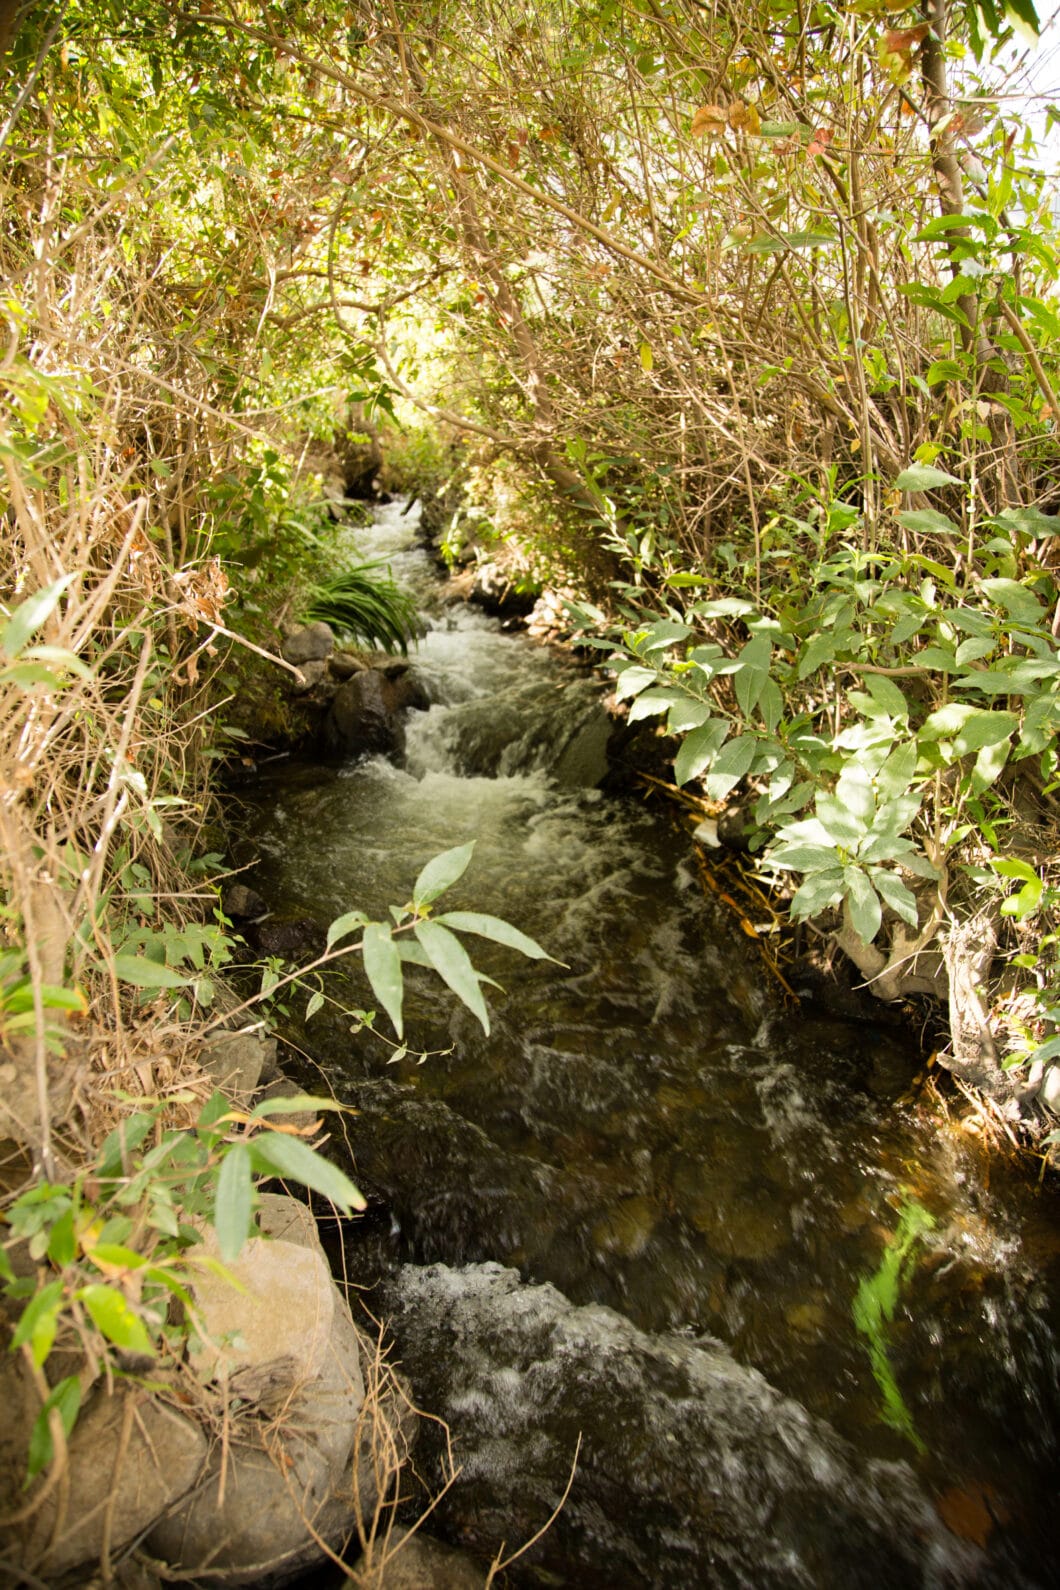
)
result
[(734, 1209)]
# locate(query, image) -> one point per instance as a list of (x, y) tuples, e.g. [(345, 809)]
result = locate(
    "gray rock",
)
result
[(1050, 1090), (311, 674), (295, 1468), (131, 1468), (239, 900), (270, 1332), (343, 665), (239, 1061), (365, 715), (406, 1561), (311, 643)]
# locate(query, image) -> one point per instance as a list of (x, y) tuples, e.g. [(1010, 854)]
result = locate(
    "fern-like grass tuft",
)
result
[(360, 603)]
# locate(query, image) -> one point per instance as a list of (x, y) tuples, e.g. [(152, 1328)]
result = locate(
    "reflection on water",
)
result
[(649, 1128)]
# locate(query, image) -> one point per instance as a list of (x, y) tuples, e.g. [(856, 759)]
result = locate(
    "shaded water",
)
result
[(651, 1130)]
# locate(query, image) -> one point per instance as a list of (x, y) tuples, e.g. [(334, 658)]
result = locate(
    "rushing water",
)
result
[(718, 1190)]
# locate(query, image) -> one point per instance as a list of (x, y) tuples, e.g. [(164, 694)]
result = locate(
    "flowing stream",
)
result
[(806, 1332)]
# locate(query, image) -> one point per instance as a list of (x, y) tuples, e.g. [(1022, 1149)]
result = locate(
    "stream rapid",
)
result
[(806, 1330)]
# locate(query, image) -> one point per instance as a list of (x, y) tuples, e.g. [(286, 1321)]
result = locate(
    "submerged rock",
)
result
[(693, 1470)]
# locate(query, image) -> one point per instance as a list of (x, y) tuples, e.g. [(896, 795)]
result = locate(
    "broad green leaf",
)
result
[(886, 695), (968, 728), (803, 858), (820, 649), (650, 703), (495, 928), (142, 973), (115, 1255), (631, 681), (349, 922), (897, 895), (62, 1243), (38, 1322), (31, 614), (925, 521), (854, 792), (866, 913), (65, 1399), (314, 1003), (278, 1154), (925, 477), (688, 713), (233, 1209), (1015, 598), (450, 960), (114, 1318), (295, 1104), (698, 749), (753, 672), (819, 891), (440, 874), (382, 965), (1030, 521), (771, 705), (988, 765), (730, 765), (664, 633), (841, 824)]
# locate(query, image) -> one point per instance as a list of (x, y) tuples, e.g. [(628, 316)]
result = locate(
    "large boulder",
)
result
[(366, 713), (130, 1457), (298, 1466)]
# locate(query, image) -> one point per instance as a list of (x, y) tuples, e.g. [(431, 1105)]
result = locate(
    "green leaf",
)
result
[(804, 858), (866, 913), (142, 973), (631, 681), (31, 614), (62, 1243), (698, 749), (730, 765), (382, 965), (651, 703), (450, 960), (114, 1318), (968, 728), (495, 928), (925, 477), (65, 1399), (441, 873), (925, 521), (1015, 599), (314, 1003), (294, 1104), (753, 672), (688, 713), (115, 1254), (988, 765), (819, 891), (233, 1209), (349, 922), (900, 898), (39, 1321), (886, 695), (278, 1154)]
